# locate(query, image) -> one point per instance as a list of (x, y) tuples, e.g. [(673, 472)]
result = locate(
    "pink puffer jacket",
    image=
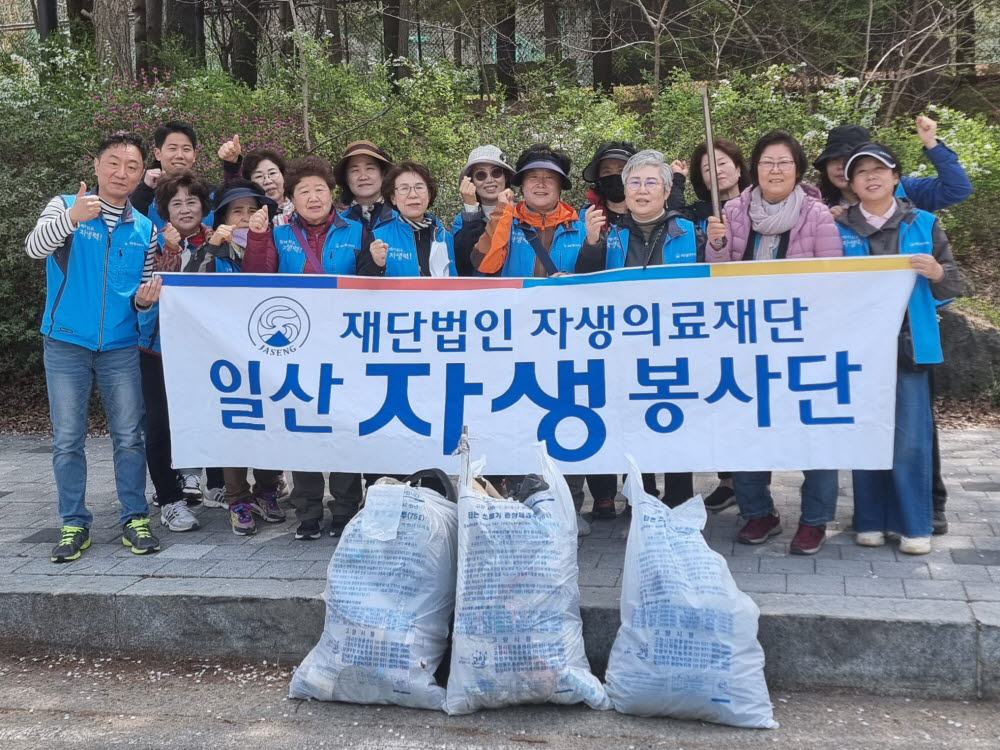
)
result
[(815, 234)]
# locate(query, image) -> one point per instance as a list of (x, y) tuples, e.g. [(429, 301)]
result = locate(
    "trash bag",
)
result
[(687, 646), (389, 600), (518, 636)]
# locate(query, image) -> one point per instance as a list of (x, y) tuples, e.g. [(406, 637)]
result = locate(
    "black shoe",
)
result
[(721, 498), (338, 524), (939, 524), (308, 530), (72, 542), (136, 534)]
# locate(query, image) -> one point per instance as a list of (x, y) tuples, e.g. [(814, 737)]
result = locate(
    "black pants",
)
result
[(677, 488), (603, 486), (309, 489), (157, 433)]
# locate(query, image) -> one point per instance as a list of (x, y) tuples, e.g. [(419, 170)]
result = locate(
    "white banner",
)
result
[(746, 366)]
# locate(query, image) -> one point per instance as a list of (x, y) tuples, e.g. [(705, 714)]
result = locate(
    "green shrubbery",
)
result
[(52, 114)]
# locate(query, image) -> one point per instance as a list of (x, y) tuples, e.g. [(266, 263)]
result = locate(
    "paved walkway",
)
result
[(964, 566)]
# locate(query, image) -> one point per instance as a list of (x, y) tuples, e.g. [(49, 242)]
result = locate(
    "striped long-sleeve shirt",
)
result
[(55, 225)]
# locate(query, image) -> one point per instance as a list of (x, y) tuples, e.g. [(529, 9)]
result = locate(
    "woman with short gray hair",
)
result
[(646, 235)]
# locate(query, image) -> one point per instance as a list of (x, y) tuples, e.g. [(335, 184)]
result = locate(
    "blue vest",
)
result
[(340, 250), (566, 242), (90, 282), (915, 236), (679, 247), (401, 258)]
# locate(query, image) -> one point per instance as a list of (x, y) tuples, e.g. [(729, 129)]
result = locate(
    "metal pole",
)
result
[(713, 172)]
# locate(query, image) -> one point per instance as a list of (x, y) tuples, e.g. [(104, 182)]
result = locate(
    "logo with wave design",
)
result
[(278, 326)]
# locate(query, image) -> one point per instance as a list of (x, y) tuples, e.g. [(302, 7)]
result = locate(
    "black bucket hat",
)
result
[(620, 150), (231, 192), (841, 141)]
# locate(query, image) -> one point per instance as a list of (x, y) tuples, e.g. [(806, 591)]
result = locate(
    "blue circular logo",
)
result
[(278, 326)]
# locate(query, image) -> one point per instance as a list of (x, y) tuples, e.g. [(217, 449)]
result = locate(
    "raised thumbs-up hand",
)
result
[(230, 150), (259, 221), (85, 207), (171, 237)]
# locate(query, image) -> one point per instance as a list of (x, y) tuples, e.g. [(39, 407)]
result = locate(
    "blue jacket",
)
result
[(340, 251), (92, 279), (566, 242), (951, 185), (915, 236), (401, 258)]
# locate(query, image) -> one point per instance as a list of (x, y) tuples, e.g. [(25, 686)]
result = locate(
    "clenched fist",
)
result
[(468, 191), (85, 207), (594, 222), (679, 165), (224, 233), (506, 198), (152, 176), (171, 237), (927, 130), (260, 221), (716, 231), (379, 250)]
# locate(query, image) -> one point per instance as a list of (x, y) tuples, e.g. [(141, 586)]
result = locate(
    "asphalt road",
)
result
[(99, 701)]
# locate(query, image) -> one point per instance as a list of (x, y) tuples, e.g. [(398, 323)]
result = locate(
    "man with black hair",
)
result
[(99, 274), (540, 235), (175, 144)]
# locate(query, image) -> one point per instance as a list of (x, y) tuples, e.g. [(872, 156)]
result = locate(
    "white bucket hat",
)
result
[(486, 155)]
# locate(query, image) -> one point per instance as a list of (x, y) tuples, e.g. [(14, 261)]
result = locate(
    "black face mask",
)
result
[(611, 188)]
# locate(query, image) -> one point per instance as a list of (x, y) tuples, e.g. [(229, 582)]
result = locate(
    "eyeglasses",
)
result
[(634, 183), (480, 175), (785, 165), (271, 175), (420, 188)]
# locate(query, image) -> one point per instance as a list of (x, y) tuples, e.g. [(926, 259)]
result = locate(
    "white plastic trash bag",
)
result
[(518, 635), (389, 599), (687, 647)]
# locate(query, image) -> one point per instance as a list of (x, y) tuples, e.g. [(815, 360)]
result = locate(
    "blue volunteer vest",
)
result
[(679, 247), (563, 251), (915, 236), (340, 250), (90, 282), (401, 257)]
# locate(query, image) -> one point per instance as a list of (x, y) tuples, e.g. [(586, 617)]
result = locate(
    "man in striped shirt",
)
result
[(99, 274)]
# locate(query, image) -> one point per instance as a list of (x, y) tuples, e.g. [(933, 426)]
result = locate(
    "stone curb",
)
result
[(881, 645)]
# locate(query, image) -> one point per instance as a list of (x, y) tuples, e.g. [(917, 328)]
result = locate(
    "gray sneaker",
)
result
[(215, 497), (582, 527), (177, 517)]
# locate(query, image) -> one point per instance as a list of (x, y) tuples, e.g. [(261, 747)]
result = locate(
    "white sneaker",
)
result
[(177, 517), (215, 497), (915, 545), (870, 538), (191, 486), (582, 526)]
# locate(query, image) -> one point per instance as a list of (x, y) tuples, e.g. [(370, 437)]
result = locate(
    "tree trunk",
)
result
[(48, 17), (550, 23), (600, 42), (154, 28), (965, 42), (114, 35), (456, 45), (81, 27), (186, 19), (507, 46), (246, 34), (287, 26), (656, 61), (332, 10), (143, 60)]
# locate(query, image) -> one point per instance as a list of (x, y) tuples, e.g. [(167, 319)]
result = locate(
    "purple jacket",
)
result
[(815, 234)]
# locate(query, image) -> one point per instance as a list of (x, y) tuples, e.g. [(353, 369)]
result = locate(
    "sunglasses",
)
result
[(480, 175)]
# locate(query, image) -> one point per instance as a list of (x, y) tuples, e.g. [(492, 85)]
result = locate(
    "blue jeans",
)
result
[(900, 499), (70, 371), (819, 495)]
